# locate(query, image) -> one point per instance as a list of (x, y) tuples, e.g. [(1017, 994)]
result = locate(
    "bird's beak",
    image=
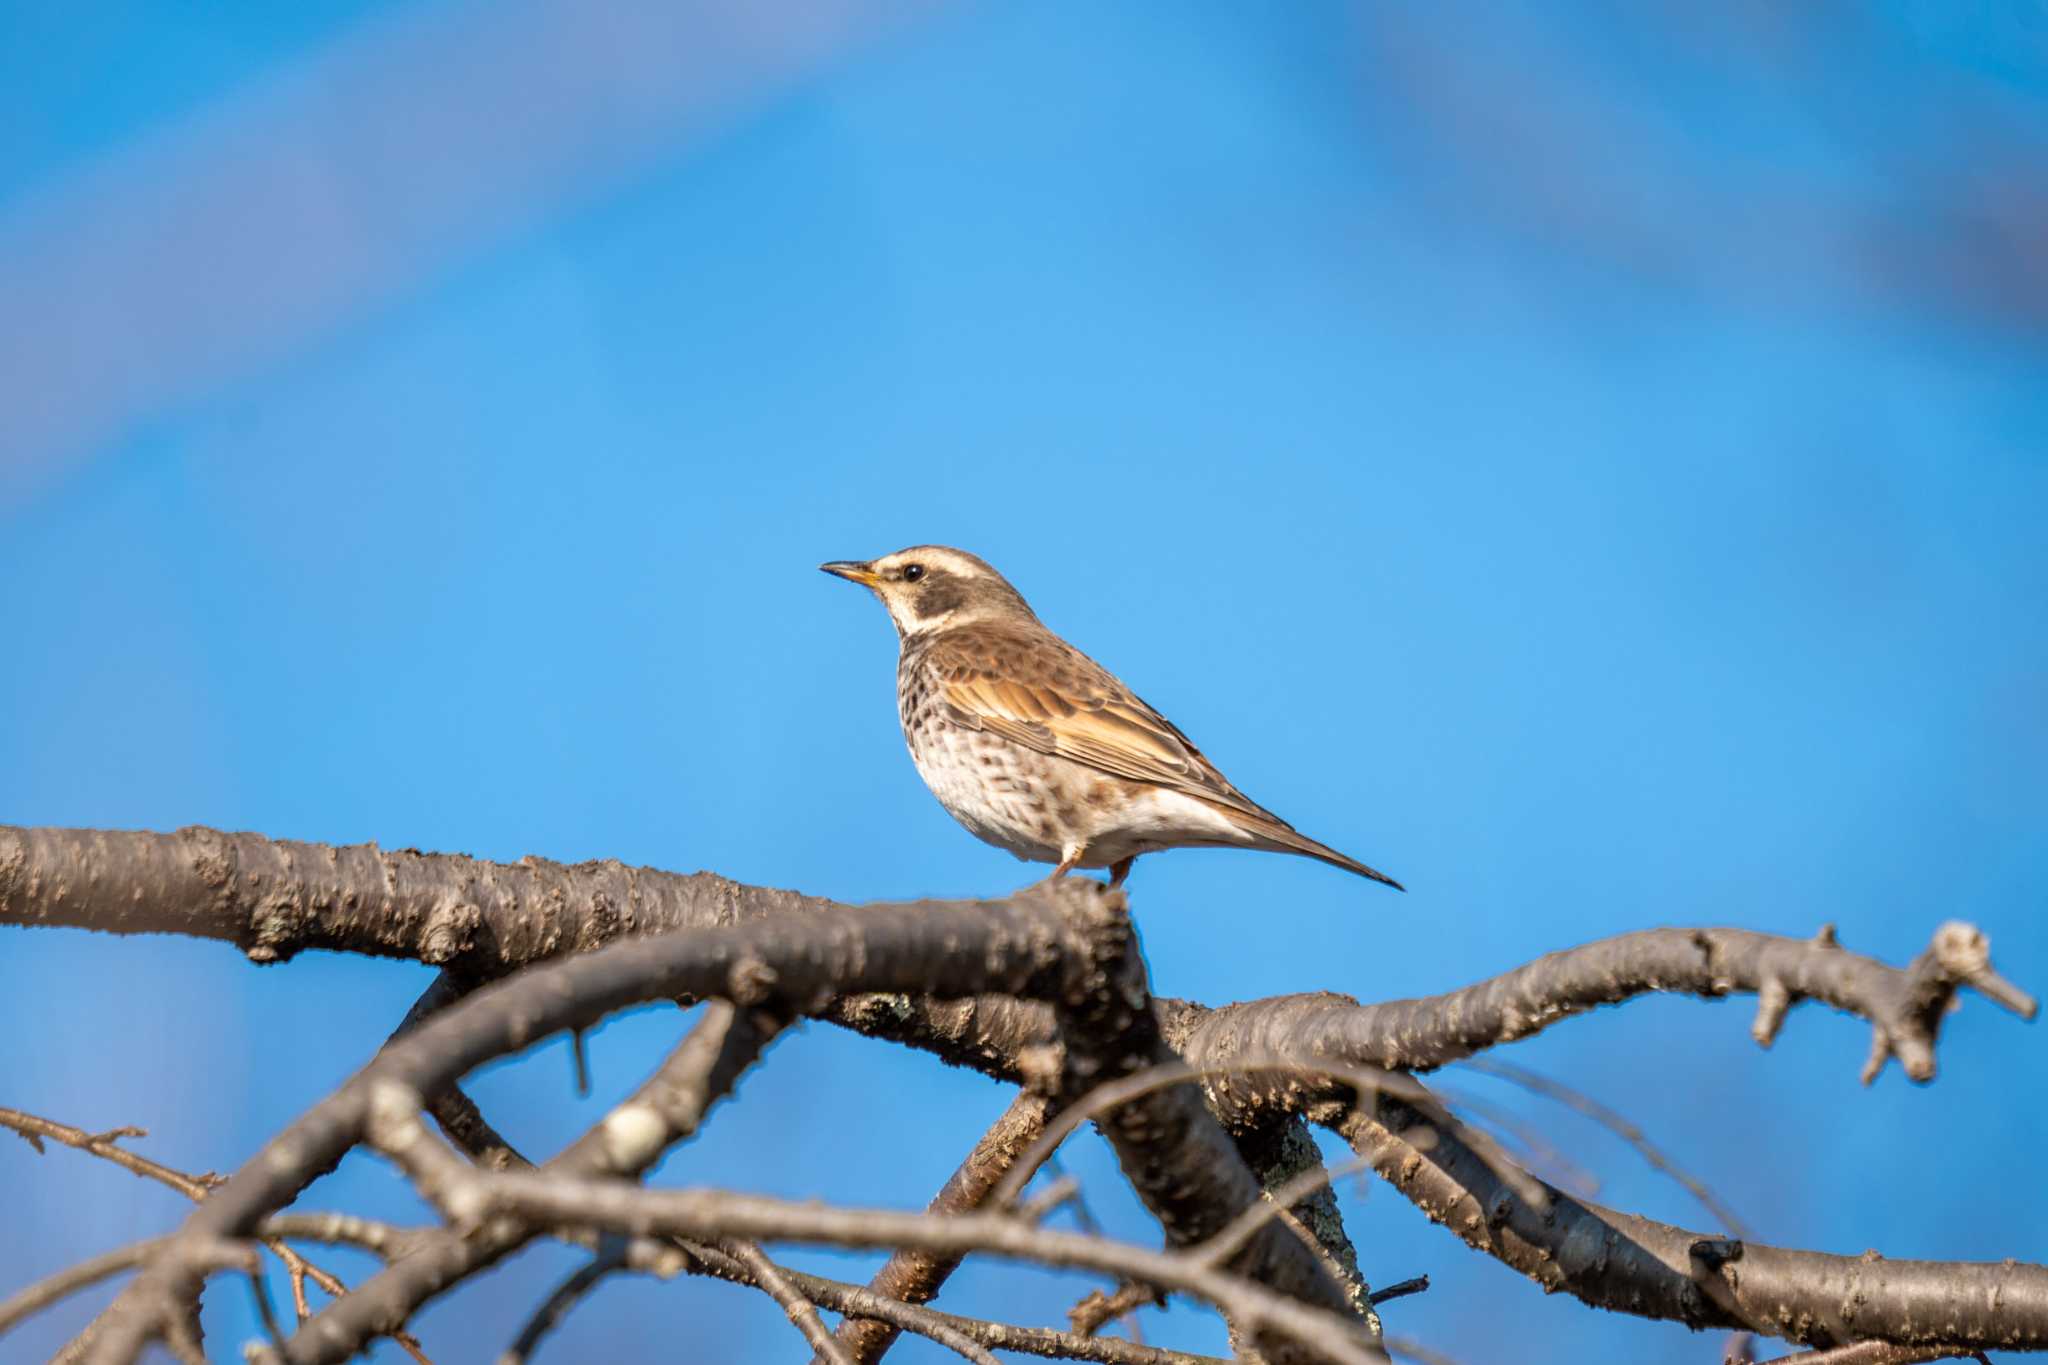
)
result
[(853, 571)]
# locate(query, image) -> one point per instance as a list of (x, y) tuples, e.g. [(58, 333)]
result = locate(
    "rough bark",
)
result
[(1171, 1148), (1023, 947), (1650, 1269), (274, 898), (1038, 991)]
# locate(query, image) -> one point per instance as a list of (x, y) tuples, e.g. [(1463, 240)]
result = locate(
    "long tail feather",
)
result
[(1282, 837), (1309, 848)]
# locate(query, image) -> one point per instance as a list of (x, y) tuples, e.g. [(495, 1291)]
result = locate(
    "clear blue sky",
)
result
[(1591, 464)]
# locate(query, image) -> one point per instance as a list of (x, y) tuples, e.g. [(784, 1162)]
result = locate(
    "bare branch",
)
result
[(1057, 1003), (1171, 1148), (1876, 1353), (970, 1337), (566, 1296), (1089, 1315), (378, 1237), (711, 1214), (915, 1276), (451, 1107), (1400, 1290), (1904, 1006), (72, 1279), (1281, 1151), (798, 1309), (1580, 1102), (106, 1145), (667, 1107), (338, 1229), (1025, 946), (1220, 1248), (1651, 1269), (274, 898)]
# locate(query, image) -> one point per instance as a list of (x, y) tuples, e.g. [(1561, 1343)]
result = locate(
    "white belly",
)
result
[(1040, 806), (1002, 793)]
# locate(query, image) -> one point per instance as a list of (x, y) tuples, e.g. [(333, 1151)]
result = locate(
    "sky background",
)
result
[(1590, 463)]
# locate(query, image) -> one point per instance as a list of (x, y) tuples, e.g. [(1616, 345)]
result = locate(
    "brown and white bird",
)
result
[(1037, 748)]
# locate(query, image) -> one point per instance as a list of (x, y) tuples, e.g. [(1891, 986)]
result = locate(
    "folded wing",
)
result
[(1059, 701)]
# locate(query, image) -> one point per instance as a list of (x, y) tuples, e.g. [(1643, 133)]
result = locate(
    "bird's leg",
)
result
[(1120, 870), (1070, 858)]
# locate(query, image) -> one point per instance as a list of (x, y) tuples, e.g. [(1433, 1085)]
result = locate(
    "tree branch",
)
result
[(712, 1214), (1651, 1269), (957, 1332), (1023, 1016), (1171, 1148), (1025, 946), (1905, 1006), (914, 1277), (274, 898), (667, 1107)]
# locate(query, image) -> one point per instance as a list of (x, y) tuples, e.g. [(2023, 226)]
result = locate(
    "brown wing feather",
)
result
[(1034, 689), (1046, 695)]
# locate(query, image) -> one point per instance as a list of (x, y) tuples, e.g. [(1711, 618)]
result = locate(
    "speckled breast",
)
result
[(1000, 791)]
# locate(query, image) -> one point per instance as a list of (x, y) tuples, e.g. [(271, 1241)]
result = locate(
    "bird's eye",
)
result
[(912, 572)]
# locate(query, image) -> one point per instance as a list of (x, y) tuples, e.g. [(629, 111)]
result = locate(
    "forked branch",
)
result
[(1046, 991)]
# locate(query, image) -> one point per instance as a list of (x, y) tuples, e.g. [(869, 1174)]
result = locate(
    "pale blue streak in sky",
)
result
[(1589, 465)]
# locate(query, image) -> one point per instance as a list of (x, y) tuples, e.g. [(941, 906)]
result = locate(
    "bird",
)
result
[(1040, 750)]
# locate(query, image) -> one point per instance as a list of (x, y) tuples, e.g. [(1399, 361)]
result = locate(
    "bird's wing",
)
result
[(1038, 691)]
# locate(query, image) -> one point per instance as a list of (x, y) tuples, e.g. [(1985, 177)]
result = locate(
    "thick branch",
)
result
[(1904, 1006), (1022, 947), (277, 897), (1651, 1269), (1171, 1148), (274, 898)]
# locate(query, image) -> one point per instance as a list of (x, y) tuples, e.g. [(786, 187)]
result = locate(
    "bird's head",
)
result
[(930, 587)]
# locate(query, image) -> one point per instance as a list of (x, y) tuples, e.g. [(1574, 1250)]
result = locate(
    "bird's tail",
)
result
[(1285, 838)]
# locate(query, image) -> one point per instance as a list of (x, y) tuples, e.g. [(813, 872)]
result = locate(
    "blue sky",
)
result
[(1589, 465)]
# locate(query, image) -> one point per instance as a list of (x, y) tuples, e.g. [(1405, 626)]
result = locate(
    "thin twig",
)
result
[(72, 1279), (973, 1338), (106, 1145), (1084, 1218), (1400, 1290), (800, 1310), (1877, 1353), (623, 1206), (566, 1296), (342, 1228), (1091, 1314), (260, 1292), (337, 1229), (1218, 1250), (1364, 1079), (1533, 1148), (1580, 1102), (915, 1277)]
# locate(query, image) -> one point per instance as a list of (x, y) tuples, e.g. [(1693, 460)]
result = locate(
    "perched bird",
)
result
[(1037, 748)]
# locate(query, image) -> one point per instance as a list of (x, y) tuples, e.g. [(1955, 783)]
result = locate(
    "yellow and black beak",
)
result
[(853, 571)]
